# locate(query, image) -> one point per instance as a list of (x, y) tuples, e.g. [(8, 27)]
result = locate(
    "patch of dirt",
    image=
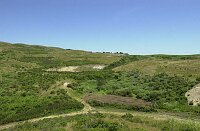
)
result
[(99, 67), (193, 95), (78, 68), (65, 69), (113, 99)]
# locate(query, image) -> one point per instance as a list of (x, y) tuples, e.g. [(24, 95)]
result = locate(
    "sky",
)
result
[(131, 26)]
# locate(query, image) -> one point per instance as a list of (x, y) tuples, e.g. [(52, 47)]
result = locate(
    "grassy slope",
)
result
[(100, 122), (188, 66), (48, 56), (25, 88)]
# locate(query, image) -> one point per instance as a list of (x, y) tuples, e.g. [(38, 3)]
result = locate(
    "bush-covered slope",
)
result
[(26, 88), (183, 65), (101, 122)]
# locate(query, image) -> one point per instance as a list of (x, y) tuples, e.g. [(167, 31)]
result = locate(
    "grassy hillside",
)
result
[(185, 65), (27, 90), (31, 84), (30, 56), (101, 122)]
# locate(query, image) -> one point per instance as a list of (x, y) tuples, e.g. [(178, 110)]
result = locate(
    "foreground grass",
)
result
[(101, 122)]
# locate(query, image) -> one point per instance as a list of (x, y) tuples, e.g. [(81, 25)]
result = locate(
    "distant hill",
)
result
[(31, 56)]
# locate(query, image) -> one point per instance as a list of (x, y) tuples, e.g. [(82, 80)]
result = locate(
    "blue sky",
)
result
[(133, 26)]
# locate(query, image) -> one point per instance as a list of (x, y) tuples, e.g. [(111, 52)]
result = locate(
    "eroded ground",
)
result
[(113, 99), (193, 95), (78, 68)]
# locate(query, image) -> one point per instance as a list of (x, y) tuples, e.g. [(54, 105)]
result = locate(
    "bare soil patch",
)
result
[(65, 69), (193, 95), (113, 99), (78, 68), (99, 67)]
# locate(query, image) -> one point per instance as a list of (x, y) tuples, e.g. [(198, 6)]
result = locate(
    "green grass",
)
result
[(26, 87), (101, 122), (188, 67), (163, 90), (52, 57)]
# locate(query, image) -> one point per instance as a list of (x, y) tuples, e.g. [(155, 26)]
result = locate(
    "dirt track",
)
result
[(87, 108)]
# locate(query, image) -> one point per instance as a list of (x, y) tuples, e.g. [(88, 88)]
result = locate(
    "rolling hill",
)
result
[(49, 88)]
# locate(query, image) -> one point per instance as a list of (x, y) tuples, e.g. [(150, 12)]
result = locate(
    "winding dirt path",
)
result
[(88, 109)]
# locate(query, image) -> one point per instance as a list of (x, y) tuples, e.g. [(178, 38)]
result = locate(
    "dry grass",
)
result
[(78, 68), (20, 56), (113, 99), (131, 125), (151, 66)]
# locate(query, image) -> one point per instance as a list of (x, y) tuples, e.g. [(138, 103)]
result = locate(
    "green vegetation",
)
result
[(28, 90), (121, 106), (120, 102), (100, 122), (164, 91), (186, 66), (30, 95)]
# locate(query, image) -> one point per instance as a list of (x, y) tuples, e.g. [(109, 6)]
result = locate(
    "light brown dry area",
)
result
[(193, 95), (63, 69), (153, 66), (99, 67), (78, 68), (113, 99)]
